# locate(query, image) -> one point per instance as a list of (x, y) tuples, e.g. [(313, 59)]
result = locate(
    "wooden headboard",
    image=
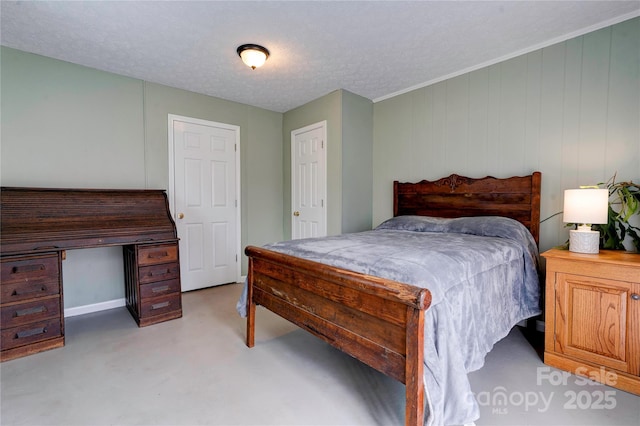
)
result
[(516, 197)]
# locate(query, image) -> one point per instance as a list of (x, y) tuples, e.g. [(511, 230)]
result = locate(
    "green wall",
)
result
[(357, 162), (571, 111), (349, 158), (65, 125), (329, 108)]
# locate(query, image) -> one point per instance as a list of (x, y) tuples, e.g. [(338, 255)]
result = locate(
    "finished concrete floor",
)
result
[(197, 371)]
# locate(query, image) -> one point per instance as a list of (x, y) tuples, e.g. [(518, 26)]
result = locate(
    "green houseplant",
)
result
[(624, 203)]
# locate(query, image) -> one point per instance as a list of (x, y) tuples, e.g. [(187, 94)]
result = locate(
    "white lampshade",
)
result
[(585, 206)]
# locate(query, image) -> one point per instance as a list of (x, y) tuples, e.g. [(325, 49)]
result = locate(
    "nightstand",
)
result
[(592, 316)]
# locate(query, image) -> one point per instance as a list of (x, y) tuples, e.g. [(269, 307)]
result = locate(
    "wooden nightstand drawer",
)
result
[(160, 288), (30, 333), (23, 313), (153, 255), (161, 272), (160, 305)]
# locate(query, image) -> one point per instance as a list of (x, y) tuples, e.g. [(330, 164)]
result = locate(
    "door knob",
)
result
[(180, 215), (296, 213), (635, 296)]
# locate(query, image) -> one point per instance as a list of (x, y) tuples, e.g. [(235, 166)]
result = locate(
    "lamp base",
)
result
[(584, 241)]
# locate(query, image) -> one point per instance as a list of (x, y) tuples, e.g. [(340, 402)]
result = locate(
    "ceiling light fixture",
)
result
[(253, 55)]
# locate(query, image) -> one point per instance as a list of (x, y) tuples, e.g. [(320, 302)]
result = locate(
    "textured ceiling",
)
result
[(372, 48)]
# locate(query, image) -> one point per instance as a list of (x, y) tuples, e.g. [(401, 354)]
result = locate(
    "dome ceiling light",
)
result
[(253, 55)]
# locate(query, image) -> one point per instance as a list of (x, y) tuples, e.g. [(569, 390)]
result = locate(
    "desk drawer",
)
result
[(30, 333), (24, 313), (161, 305), (162, 272), (29, 269), (160, 288), (15, 292), (153, 255)]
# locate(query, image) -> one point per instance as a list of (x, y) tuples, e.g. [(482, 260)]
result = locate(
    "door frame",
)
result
[(323, 125), (172, 118)]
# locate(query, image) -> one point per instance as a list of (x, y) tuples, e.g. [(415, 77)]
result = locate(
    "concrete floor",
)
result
[(197, 371)]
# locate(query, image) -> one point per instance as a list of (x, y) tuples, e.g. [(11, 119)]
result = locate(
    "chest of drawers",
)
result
[(153, 282), (31, 305)]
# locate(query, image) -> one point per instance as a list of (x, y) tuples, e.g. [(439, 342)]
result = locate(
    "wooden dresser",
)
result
[(39, 224), (592, 316)]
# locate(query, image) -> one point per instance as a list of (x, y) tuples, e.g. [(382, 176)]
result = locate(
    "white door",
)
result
[(204, 192), (308, 181)]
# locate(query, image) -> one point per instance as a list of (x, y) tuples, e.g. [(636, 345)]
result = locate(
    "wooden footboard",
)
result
[(377, 321)]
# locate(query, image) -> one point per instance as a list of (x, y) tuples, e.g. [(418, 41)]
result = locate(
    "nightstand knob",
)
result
[(635, 296)]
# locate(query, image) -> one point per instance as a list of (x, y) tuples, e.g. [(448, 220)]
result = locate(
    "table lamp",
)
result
[(585, 207)]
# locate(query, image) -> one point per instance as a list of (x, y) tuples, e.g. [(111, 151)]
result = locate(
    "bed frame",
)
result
[(378, 321)]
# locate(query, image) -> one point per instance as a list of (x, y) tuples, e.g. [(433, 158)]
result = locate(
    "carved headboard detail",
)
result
[(516, 197)]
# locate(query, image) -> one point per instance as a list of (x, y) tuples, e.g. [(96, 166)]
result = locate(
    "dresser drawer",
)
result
[(30, 333), (160, 288), (24, 313), (160, 305), (162, 272), (153, 255), (29, 269)]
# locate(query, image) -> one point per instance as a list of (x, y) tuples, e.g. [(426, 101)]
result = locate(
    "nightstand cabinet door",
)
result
[(591, 320), (592, 316)]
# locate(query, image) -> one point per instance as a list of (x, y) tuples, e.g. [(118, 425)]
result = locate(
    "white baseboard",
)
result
[(95, 307)]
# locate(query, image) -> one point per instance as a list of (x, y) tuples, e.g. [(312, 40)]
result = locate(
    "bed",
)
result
[(406, 327)]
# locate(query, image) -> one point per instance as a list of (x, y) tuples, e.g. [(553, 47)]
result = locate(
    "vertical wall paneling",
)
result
[(477, 129), (421, 123), (532, 110), (457, 122), (622, 156), (593, 105), (551, 126), (512, 113), (570, 110), (437, 106), (494, 120)]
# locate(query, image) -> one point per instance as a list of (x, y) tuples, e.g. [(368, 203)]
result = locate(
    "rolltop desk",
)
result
[(39, 224)]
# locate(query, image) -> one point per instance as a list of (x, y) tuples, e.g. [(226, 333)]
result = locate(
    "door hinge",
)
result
[(235, 147), (236, 203), (236, 257), (322, 203)]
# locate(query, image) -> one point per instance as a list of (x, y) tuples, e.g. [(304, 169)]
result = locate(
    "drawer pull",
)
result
[(22, 293), (158, 255), (32, 332), (162, 273), (159, 305), (160, 289), (635, 296), (30, 311), (28, 268)]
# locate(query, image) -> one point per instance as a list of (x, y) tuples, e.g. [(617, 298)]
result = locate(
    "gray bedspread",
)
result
[(482, 274)]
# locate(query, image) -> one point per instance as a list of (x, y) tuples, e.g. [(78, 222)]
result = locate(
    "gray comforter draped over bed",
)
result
[(482, 274)]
